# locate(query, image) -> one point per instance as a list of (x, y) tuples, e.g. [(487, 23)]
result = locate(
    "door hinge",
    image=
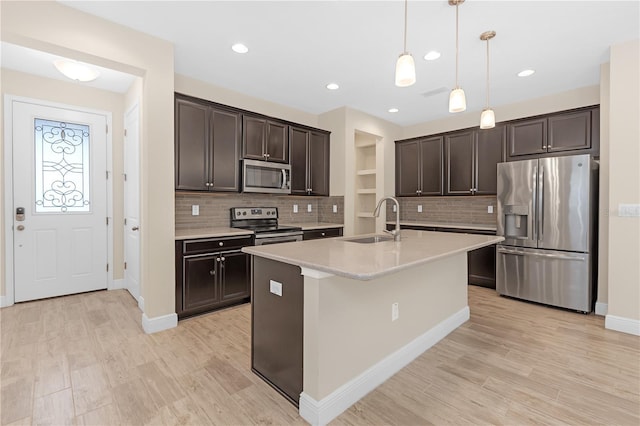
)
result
[(107, 173), (106, 128), (125, 220), (107, 220), (125, 132), (125, 177), (125, 265), (107, 267)]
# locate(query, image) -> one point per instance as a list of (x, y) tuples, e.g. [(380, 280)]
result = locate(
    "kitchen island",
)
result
[(367, 310)]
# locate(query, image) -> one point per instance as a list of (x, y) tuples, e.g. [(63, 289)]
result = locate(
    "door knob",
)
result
[(20, 228), (135, 228)]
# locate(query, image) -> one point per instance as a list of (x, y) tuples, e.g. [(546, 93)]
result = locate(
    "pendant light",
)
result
[(457, 100), (488, 117), (405, 67)]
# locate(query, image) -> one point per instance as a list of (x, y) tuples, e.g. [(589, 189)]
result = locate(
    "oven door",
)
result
[(276, 240)]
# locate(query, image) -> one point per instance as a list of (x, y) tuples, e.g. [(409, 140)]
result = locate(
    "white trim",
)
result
[(323, 411), (601, 308), (141, 303), (161, 323), (9, 298), (116, 285), (624, 325), (314, 273)]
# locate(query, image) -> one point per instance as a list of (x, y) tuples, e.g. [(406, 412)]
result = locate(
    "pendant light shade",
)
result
[(405, 66), (488, 117), (457, 100), (405, 70)]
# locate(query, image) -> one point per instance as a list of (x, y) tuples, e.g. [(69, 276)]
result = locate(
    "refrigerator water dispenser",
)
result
[(516, 219)]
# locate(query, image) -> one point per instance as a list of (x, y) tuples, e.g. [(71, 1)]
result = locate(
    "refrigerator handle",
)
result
[(574, 256), (540, 210), (533, 214)]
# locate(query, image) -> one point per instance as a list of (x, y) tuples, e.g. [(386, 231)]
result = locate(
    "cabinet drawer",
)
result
[(322, 233), (209, 245)]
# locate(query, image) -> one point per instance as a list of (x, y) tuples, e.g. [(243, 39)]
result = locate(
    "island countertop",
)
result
[(339, 256)]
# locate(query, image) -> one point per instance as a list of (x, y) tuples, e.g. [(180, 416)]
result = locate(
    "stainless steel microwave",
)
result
[(267, 177)]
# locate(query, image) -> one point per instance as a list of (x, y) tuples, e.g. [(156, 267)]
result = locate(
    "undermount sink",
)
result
[(370, 239)]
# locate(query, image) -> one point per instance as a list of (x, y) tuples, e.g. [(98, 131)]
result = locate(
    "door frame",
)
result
[(8, 299)]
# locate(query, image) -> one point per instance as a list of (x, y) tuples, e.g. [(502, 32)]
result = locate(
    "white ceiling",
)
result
[(297, 47)]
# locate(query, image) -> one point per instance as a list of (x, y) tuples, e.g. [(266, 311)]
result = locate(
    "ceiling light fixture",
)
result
[(432, 56), (526, 73), (333, 86), (393, 110), (405, 67), (239, 48), (457, 100), (488, 117), (76, 70)]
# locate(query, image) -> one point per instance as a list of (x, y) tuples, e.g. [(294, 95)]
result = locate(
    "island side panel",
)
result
[(347, 323)]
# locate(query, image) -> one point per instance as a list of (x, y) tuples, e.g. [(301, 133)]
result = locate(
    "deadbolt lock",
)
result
[(20, 214)]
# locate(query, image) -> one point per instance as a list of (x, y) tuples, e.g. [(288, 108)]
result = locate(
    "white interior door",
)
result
[(132, 203), (60, 182)]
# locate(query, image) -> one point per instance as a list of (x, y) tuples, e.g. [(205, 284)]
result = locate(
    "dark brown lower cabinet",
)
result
[(314, 234), (481, 263), (208, 280)]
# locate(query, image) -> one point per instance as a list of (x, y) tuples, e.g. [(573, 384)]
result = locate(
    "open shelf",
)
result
[(366, 172), (366, 191)]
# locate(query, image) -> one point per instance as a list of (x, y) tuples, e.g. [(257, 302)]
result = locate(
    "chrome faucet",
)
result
[(376, 213)]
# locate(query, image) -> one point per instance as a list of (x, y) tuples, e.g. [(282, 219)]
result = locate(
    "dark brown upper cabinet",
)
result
[(564, 132), (207, 146), (264, 139), (419, 167), (309, 155), (471, 158)]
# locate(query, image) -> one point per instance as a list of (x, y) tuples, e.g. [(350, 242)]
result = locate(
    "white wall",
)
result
[(624, 185)]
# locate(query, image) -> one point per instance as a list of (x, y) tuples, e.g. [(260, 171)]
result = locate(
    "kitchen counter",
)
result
[(350, 315), (308, 226), (191, 234), (339, 256), (477, 226)]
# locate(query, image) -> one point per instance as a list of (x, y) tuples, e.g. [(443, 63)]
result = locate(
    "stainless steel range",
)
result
[(263, 221)]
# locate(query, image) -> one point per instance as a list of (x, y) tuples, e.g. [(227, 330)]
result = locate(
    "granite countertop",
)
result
[(191, 234), (339, 256), (479, 226), (314, 225)]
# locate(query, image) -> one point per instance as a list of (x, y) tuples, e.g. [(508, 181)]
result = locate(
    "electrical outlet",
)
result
[(195, 210), (628, 210), (395, 311), (275, 287), (394, 208), (295, 208), (489, 209), (309, 208), (419, 208), (335, 208)]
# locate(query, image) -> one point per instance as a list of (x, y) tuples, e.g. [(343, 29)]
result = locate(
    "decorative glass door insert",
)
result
[(62, 167)]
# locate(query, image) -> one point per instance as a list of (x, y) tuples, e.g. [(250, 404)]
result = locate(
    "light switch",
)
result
[(275, 287), (489, 209), (335, 208), (419, 208), (394, 208), (195, 210), (295, 208), (309, 208), (629, 210)]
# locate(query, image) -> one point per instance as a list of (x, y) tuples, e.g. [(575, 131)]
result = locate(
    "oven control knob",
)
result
[(244, 213)]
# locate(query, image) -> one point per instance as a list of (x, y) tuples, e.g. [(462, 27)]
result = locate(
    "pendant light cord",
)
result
[(487, 73), (405, 27), (456, 45)]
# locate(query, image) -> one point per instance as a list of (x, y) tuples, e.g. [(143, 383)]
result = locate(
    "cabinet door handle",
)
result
[(323, 234), (222, 258), (217, 259), (220, 243), (212, 272)]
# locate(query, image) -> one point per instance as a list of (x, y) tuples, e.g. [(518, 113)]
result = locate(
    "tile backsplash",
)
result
[(467, 209), (214, 208)]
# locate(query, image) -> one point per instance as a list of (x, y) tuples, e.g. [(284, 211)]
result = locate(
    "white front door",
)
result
[(132, 203), (60, 183)]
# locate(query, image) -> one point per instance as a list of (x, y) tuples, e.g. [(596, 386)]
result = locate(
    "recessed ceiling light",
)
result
[(392, 110), (526, 73), (240, 48), (333, 86), (432, 56), (76, 70)]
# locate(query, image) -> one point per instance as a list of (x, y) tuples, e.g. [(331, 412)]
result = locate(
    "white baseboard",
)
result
[(141, 303), (624, 325), (601, 308), (117, 284), (323, 411), (5, 302), (154, 325)]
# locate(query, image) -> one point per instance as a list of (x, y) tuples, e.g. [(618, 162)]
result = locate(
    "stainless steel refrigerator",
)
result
[(547, 213)]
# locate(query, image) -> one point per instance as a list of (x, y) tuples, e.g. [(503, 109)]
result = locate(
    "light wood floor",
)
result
[(84, 359)]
